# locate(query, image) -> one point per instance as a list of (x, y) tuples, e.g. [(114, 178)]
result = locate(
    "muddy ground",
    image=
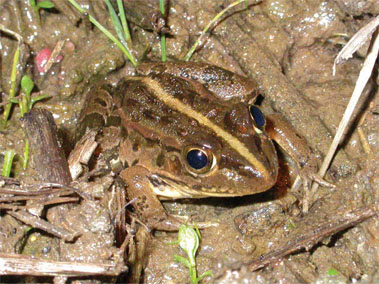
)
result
[(288, 47)]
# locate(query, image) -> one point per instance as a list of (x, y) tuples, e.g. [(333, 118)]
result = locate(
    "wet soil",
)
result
[(288, 47)]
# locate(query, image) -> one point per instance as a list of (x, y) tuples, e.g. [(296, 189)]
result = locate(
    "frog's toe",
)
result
[(317, 178)]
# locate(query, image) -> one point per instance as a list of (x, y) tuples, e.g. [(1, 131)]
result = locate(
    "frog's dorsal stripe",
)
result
[(185, 109)]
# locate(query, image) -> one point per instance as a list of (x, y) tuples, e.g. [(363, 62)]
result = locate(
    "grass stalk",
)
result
[(12, 91), (124, 23), (163, 36), (205, 30), (106, 33)]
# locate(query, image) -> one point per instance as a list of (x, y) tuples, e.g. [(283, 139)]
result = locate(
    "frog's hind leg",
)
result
[(147, 205)]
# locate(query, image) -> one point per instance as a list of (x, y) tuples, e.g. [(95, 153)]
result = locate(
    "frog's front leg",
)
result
[(147, 205), (282, 132)]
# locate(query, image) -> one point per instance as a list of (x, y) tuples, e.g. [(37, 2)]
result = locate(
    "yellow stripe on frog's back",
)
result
[(187, 110)]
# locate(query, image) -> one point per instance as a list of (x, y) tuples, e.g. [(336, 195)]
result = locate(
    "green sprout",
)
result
[(188, 240), (107, 33), (26, 103), (8, 160), (40, 5)]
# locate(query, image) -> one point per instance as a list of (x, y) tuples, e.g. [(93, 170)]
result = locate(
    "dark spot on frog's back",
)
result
[(168, 120), (150, 115), (130, 102)]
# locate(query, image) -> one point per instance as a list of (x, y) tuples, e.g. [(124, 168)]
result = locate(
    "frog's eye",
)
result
[(257, 116), (199, 161)]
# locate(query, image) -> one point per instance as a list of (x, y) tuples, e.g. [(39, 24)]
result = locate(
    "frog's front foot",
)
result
[(147, 205), (306, 177)]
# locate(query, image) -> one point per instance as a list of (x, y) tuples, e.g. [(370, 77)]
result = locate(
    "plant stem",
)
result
[(214, 20), (106, 32), (26, 154), (163, 36)]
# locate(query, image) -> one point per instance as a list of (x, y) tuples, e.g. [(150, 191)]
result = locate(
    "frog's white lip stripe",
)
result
[(169, 188), (183, 108)]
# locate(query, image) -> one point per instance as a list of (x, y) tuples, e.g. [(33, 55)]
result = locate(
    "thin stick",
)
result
[(37, 222), (315, 234), (364, 76), (16, 264)]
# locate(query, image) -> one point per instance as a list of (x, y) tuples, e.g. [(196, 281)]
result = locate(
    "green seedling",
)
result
[(26, 103), (8, 160), (40, 5), (188, 240), (107, 33)]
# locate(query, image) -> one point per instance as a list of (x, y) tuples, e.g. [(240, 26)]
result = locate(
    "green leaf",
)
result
[(188, 241), (205, 274), (32, 3), (182, 260), (27, 84), (14, 101), (37, 98), (332, 272), (45, 5)]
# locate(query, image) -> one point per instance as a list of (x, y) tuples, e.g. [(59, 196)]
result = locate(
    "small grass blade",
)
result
[(12, 90), (163, 36), (116, 23), (124, 23), (8, 160), (205, 30), (106, 33)]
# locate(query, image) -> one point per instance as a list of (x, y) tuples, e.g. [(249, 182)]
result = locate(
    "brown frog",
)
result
[(191, 130)]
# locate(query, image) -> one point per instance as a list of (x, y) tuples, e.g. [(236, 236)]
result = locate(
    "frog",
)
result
[(192, 130)]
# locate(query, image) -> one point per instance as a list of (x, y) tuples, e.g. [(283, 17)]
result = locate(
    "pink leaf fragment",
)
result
[(43, 57)]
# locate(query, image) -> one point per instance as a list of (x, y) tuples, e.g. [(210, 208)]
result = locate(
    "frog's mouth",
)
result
[(169, 188)]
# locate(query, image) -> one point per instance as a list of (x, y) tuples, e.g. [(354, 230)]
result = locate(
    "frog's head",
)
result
[(231, 156)]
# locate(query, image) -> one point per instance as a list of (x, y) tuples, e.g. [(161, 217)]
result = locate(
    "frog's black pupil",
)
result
[(258, 116), (197, 159)]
